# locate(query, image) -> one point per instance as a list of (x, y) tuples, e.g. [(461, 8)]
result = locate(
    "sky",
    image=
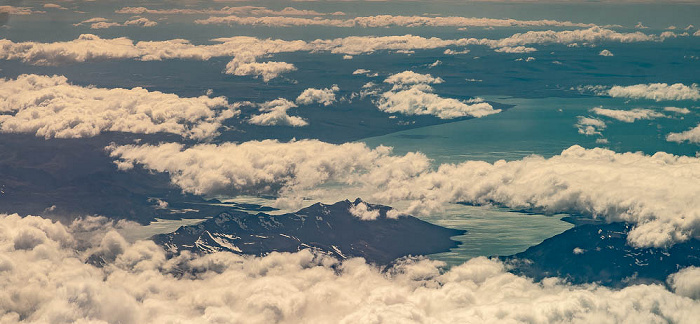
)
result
[(119, 118)]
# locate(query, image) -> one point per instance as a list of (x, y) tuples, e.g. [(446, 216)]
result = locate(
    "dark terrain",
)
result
[(330, 229)]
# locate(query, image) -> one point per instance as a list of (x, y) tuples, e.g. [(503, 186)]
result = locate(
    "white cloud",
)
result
[(258, 167), (46, 280), (683, 111), (453, 52), (412, 95), (54, 6), (410, 77), (627, 116), (590, 126), (243, 65), (387, 21), (434, 64), (363, 212), (692, 136), (247, 49), (325, 96), (516, 49), (240, 10), (51, 107), (420, 100), (631, 187), (656, 91), (686, 282), (140, 21), (605, 53), (20, 11), (275, 114), (361, 71), (103, 23)]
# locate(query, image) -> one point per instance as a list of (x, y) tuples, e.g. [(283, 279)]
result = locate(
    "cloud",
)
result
[(103, 23), (412, 95), (686, 282), (258, 166), (50, 107), (627, 116), (517, 49), (324, 96), (605, 53), (19, 11), (365, 72), (410, 77), (692, 136), (240, 10), (683, 111), (243, 65), (275, 114), (656, 91), (361, 71), (453, 52), (600, 183), (363, 212), (379, 21), (46, 279), (590, 126), (54, 6), (245, 49)]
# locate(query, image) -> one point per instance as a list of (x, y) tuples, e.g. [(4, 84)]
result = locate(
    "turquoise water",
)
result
[(543, 126)]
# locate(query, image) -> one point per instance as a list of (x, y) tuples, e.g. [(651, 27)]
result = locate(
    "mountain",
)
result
[(599, 253), (332, 229)]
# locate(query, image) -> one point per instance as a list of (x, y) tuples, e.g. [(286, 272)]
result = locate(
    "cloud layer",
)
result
[(90, 47), (49, 106), (630, 187), (386, 21), (45, 279)]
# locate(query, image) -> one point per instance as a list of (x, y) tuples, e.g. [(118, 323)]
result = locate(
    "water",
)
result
[(543, 126)]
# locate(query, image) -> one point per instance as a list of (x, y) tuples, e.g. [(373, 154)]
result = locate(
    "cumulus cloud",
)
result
[(627, 116), (275, 114), (686, 282), (50, 107), (45, 279), (325, 96), (412, 95), (453, 52), (692, 136), (363, 212), (103, 23), (600, 183), (54, 6), (258, 166), (516, 49), (243, 65), (590, 126), (656, 91), (20, 11), (410, 77)]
